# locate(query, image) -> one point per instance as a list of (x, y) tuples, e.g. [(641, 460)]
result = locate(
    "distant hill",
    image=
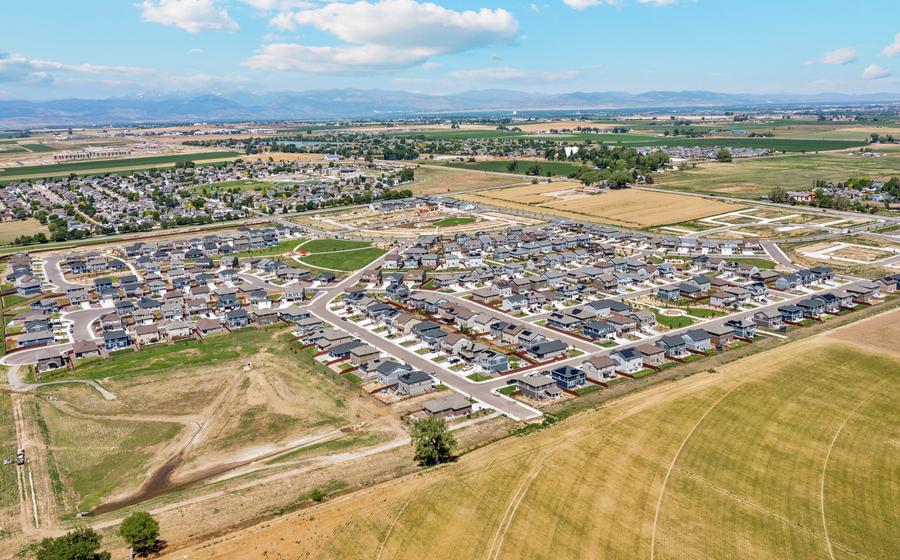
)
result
[(358, 103)]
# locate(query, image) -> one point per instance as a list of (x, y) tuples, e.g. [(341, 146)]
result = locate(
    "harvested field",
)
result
[(626, 207), (757, 460), (432, 179), (9, 231)]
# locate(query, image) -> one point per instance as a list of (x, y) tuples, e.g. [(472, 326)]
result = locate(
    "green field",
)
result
[(109, 165), (37, 147), (776, 144), (753, 178), (501, 166), (9, 491), (450, 222), (673, 322), (151, 359), (458, 134), (768, 457), (344, 261), (329, 245)]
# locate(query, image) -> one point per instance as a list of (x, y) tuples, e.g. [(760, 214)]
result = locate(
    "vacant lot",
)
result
[(9, 231), (786, 454), (626, 207), (433, 179), (217, 412), (756, 177)]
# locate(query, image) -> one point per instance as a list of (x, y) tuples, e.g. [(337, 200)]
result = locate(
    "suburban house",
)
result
[(628, 360), (451, 406), (568, 377), (600, 368), (697, 340), (537, 386), (414, 383)]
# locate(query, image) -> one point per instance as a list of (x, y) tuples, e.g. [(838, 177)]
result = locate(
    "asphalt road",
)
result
[(479, 391), (81, 330)]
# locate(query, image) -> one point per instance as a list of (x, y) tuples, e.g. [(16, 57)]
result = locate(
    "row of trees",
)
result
[(139, 530)]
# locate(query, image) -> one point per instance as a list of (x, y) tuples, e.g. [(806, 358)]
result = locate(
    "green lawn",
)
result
[(765, 264), (508, 390), (450, 222), (476, 377), (329, 245), (673, 322), (102, 166), (346, 261), (704, 313)]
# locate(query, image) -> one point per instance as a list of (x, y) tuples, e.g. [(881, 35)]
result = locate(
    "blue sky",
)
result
[(104, 48)]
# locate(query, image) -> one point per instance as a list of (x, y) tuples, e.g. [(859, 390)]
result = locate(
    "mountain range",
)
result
[(362, 104)]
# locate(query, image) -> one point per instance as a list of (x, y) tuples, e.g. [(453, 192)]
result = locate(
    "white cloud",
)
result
[(875, 72), (894, 48), (269, 5), (383, 35), (507, 74), (582, 4), (289, 57), (839, 57), (195, 50), (192, 16), (16, 67)]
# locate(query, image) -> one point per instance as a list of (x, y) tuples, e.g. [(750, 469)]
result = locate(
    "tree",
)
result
[(433, 441), (81, 544), (407, 174), (723, 156), (778, 194), (140, 531)]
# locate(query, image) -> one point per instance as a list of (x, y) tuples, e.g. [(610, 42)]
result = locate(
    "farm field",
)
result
[(757, 177), (248, 185), (37, 147), (626, 207), (759, 459), (109, 166), (9, 492), (434, 179), (9, 231)]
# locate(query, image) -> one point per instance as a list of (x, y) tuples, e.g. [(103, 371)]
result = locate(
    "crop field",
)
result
[(759, 459), (626, 207), (37, 147), (753, 178), (554, 168), (110, 165), (10, 230), (434, 179)]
